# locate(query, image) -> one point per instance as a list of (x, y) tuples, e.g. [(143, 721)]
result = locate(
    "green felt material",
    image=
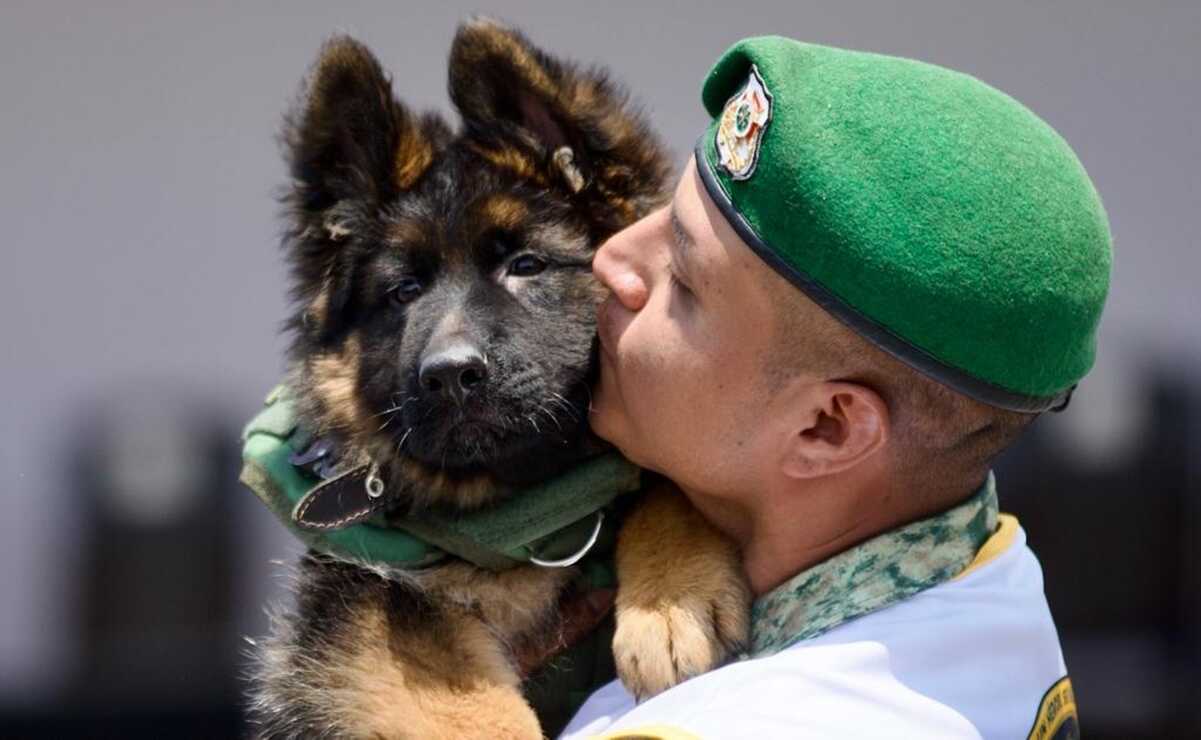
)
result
[(934, 206), (550, 521)]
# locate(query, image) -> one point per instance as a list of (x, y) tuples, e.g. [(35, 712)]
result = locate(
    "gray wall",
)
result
[(140, 239)]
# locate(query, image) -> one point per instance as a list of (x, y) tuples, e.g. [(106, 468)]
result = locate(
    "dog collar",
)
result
[(553, 524)]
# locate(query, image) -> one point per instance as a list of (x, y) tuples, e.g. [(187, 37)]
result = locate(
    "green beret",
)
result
[(933, 214)]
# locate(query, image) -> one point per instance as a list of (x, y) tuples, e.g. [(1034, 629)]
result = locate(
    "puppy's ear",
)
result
[(548, 121), (348, 137), (350, 147)]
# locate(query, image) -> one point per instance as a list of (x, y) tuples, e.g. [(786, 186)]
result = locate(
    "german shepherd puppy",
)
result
[(444, 328)]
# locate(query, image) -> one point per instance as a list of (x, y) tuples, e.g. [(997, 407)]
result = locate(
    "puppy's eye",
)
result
[(526, 265), (406, 290)]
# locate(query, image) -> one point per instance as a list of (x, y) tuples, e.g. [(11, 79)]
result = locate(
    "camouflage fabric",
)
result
[(874, 574)]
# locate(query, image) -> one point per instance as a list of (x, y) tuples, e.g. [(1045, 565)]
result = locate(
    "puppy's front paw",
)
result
[(683, 604), (659, 646)]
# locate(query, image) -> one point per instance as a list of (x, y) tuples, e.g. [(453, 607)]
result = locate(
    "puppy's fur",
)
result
[(410, 244)]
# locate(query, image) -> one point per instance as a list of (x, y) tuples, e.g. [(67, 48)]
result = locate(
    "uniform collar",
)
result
[(874, 574)]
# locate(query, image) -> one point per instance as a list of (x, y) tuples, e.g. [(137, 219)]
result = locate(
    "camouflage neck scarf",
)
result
[(874, 574)]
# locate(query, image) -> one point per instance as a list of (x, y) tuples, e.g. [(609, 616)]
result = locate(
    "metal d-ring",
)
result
[(374, 484), (571, 560)]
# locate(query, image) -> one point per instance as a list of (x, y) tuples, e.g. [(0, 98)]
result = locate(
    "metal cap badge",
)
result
[(743, 121)]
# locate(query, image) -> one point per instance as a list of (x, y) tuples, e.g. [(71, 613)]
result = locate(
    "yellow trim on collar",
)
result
[(648, 732), (999, 542)]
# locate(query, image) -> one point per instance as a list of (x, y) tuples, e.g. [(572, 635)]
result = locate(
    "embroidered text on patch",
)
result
[(740, 131)]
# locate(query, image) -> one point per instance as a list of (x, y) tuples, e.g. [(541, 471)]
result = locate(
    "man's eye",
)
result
[(526, 265), (406, 290), (678, 284)]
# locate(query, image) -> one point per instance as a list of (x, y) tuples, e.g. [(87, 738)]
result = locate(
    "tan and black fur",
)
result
[(406, 238)]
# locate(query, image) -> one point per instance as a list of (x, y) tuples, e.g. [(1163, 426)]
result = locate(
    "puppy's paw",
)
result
[(683, 604), (659, 646)]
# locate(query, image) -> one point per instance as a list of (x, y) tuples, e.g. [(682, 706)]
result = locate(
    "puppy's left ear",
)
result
[(548, 121)]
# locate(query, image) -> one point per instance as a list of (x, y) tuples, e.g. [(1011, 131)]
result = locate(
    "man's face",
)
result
[(683, 340)]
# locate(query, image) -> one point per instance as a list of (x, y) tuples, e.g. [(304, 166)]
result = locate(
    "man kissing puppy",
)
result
[(873, 275)]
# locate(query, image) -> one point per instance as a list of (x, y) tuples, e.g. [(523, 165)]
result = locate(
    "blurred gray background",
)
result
[(142, 287)]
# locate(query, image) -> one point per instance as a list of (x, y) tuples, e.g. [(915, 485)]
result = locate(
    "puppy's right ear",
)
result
[(348, 137), (548, 121), (351, 147)]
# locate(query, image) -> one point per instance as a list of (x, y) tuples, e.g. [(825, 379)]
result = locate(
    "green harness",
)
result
[(570, 520), (546, 524)]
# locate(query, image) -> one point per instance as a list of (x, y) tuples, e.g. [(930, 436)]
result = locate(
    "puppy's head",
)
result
[(445, 302)]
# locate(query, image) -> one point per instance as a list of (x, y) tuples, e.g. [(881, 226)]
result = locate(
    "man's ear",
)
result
[(840, 425), (350, 147), (548, 121)]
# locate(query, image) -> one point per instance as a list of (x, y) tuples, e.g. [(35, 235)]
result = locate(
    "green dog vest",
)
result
[(545, 523)]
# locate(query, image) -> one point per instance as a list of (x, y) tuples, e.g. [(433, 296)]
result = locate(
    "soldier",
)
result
[(874, 274)]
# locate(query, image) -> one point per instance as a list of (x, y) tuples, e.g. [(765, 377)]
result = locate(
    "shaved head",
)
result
[(943, 441)]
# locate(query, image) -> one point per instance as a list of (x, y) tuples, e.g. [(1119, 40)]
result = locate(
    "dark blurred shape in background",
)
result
[(155, 476), (156, 603), (142, 290), (1111, 502)]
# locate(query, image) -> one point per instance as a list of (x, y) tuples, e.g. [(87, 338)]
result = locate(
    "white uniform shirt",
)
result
[(974, 656)]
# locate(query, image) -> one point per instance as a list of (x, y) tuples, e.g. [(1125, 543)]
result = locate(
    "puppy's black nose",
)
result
[(453, 372)]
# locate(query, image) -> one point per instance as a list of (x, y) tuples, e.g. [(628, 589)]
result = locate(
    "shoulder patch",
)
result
[(1056, 719), (740, 130)]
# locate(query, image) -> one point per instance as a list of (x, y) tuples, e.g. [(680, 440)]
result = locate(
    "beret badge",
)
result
[(740, 130)]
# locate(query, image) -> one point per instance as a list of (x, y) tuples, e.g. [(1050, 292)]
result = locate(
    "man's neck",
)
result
[(785, 531), (788, 539)]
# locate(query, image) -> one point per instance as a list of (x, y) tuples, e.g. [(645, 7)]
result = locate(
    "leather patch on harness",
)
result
[(338, 502)]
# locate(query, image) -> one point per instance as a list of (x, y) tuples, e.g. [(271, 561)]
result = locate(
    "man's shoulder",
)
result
[(971, 657), (829, 692)]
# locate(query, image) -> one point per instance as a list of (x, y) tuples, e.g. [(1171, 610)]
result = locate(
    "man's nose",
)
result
[(617, 265)]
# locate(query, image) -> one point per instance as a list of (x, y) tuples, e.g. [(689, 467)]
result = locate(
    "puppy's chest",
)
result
[(511, 602)]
